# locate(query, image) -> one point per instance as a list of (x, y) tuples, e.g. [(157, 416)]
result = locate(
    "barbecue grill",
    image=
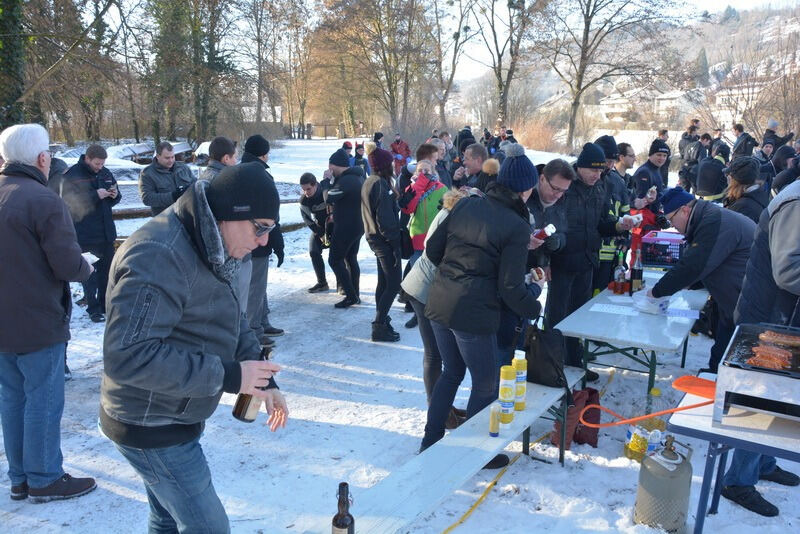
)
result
[(753, 388)]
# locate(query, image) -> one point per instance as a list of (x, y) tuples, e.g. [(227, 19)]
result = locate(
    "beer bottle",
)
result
[(343, 522), (246, 407), (619, 273), (637, 273)]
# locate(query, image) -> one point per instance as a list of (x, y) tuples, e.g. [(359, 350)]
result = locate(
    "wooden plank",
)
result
[(423, 482)]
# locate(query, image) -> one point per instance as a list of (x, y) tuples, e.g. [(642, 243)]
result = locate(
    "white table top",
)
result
[(634, 329), (774, 435)]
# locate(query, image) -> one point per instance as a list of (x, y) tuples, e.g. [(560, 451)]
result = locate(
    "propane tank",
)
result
[(665, 478)]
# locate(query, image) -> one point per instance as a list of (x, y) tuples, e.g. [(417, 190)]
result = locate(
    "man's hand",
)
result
[(459, 174), (535, 243), (105, 193), (279, 255), (276, 408), (255, 375), (623, 225)]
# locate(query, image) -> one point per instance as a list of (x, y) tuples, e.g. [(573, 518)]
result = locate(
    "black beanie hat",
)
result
[(377, 136), (744, 170), (340, 158), (517, 172), (609, 146), (658, 146), (256, 145), (591, 157), (243, 192)]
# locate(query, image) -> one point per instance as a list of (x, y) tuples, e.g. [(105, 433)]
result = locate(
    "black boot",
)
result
[(346, 302), (383, 332), (411, 323)]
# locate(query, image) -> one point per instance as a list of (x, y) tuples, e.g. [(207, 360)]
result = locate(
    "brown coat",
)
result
[(39, 255)]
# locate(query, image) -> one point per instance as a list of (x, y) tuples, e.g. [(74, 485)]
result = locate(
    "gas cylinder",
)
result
[(665, 478)]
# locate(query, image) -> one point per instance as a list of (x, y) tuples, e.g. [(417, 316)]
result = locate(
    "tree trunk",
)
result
[(442, 118), (573, 114), (12, 62)]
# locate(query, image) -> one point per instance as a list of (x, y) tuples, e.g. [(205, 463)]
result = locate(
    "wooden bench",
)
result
[(426, 480)]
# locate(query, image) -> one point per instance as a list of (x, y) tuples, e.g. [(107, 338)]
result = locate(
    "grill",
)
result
[(753, 387)]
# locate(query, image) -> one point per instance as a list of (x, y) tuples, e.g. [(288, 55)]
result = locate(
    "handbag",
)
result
[(545, 351), (406, 246)]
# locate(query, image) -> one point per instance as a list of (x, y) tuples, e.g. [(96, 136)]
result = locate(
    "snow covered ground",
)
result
[(357, 413)]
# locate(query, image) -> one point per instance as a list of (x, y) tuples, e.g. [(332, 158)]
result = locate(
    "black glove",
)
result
[(178, 192), (662, 222), (279, 255), (551, 243)]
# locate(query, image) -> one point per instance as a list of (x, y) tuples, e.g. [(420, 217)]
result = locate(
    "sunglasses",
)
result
[(262, 229)]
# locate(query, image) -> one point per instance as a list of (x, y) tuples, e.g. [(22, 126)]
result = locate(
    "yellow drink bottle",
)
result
[(508, 386), (520, 365)]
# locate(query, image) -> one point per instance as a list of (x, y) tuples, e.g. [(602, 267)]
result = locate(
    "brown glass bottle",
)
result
[(246, 407), (343, 522)]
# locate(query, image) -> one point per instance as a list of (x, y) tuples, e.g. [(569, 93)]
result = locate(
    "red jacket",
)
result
[(400, 148)]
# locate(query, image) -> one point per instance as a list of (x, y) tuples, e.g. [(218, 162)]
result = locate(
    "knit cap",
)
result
[(658, 146), (517, 172), (256, 145), (340, 158), (591, 157), (609, 146), (243, 192)]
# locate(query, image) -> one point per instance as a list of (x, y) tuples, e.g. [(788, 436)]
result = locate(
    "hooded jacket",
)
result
[(345, 197), (718, 245), (771, 289), (480, 250), (41, 256), (174, 331), (94, 222)]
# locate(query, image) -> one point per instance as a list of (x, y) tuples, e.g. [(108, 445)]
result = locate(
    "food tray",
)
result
[(662, 249), (746, 337)]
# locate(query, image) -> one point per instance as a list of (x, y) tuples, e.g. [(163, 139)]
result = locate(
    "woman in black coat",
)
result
[(745, 196), (480, 250)]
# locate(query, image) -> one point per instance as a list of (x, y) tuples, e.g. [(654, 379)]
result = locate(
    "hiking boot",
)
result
[(20, 492), (384, 332), (501, 460), (271, 331), (411, 323), (82, 302), (453, 420), (266, 341), (748, 497), (591, 376), (784, 478), (97, 318), (347, 302), (459, 412), (319, 287), (65, 487)]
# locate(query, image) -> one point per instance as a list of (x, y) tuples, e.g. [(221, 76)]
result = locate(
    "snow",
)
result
[(358, 411)]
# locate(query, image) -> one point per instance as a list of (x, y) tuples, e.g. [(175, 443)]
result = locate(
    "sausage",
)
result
[(781, 339), (768, 363), (772, 350)]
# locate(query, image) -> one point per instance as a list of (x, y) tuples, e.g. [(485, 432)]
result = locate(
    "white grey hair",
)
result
[(438, 143), (22, 143)]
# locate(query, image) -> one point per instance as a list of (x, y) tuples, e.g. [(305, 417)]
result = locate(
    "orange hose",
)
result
[(632, 419)]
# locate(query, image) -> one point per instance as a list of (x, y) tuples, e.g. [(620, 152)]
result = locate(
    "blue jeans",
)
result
[(179, 488), (746, 466), (31, 404), (461, 351)]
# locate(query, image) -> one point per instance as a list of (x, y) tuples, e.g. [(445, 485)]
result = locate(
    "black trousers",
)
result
[(602, 275), (94, 289), (315, 251), (722, 336), (566, 293), (389, 276), (343, 259)]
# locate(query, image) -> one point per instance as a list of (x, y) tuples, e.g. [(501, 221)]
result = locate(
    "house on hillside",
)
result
[(626, 105), (675, 103)]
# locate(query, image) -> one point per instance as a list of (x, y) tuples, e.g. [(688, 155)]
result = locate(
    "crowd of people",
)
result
[(455, 231)]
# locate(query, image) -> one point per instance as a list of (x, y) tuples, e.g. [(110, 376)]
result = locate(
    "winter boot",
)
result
[(501, 460), (411, 323), (346, 302), (319, 287), (383, 332)]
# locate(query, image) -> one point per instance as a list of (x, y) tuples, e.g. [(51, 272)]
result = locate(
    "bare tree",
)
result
[(503, 27), (587, 41)]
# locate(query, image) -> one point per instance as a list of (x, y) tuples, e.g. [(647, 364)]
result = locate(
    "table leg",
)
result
[(711, 458), (651, 381), (563, 437), (585, 358), (683, 358), (723, 460), (526, 441)]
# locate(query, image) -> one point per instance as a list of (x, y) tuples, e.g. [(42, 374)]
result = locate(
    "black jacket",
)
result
[(480, 249), (718, 245), (275, 243), (345, 197), (379, 212), (480, 181), (589, 219), (711, 181), (779, 141), (314, 210), (92, 216), (771, 289), (785, 178), (686, 140), (750, 204), (555, 215), (721, 147), (743, 146), (444, 173), (647, 176)]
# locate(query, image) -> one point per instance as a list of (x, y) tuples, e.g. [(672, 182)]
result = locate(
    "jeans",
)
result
[(179, 488), (723, 332), (746, 467), (257, 293), (431, 359), (461, 351), (31, 404), (389, 274), (343, 259), (242, 283), (94, 289), (315, 251), (567, 292)]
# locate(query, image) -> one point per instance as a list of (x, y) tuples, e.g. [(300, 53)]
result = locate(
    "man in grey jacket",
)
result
[(164, 180), (176, 340), (718, 245), (221, 154)]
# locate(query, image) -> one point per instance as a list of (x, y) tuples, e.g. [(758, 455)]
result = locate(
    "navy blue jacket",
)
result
[(647, 176), (92, 216)]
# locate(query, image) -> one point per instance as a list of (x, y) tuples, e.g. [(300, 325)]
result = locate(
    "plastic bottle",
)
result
[(520, 365), (544, 233), (508, 386), (655, 403), (637, 273), (636, 443), (494, 419)]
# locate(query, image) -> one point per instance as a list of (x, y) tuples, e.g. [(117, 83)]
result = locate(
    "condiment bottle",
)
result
[(507, 391), (520, 364)]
